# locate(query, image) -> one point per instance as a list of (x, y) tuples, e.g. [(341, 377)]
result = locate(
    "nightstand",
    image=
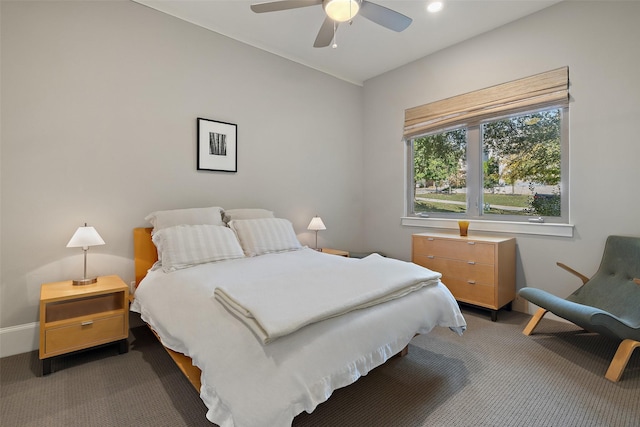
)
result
[(78, 317), (335, 252)]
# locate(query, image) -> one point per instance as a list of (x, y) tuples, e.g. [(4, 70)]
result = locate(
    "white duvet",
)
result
[(246, 383), (275, 306)]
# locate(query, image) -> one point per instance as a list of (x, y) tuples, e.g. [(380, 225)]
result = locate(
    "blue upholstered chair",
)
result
[(608, 303)]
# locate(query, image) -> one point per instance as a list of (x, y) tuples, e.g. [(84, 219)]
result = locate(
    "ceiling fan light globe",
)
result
[(341, 10), (435, 6)]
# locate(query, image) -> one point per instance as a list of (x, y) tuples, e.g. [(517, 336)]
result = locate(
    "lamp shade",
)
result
[(316, 224), (84, 237), (341, 10)]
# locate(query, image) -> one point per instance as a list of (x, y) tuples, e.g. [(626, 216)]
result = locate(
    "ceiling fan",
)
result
[(340, 11)]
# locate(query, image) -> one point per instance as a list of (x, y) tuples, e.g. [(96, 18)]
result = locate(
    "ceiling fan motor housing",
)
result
[(339, 11)]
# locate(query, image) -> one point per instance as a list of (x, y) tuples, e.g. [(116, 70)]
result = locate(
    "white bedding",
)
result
[(278, 305), (246, 383)]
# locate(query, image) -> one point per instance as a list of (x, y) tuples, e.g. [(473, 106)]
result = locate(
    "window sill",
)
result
[(541, 229)]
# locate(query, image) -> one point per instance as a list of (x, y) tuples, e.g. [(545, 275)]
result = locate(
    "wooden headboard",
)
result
[(145, 253)]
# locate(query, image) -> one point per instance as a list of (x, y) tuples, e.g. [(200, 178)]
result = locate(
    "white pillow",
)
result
[(265, 235), (232, 214), (184, 246), (192, 216)]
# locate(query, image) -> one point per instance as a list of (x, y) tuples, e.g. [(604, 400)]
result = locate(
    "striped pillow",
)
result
[(184, 246), (265, 235)]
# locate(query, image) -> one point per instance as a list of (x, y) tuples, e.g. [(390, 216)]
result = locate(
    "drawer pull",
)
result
[(471, 243), (471, 262), (471, 282), (87, 323), (430, 256), (430, 238)]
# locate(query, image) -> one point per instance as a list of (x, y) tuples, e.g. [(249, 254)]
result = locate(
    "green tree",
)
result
[(437, 157), (527, 145), (491, 173)]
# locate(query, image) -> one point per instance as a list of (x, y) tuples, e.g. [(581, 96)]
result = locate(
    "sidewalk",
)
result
[(452, 202)]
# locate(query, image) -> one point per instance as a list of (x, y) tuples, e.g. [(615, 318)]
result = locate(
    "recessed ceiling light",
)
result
[(435, 6)]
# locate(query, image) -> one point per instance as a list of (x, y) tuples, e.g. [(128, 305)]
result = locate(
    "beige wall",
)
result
[(99, 101), (99, 108), (599, 43)]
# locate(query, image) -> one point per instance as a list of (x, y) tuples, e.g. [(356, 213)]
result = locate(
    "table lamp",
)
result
[(83, 238), (316, 224)]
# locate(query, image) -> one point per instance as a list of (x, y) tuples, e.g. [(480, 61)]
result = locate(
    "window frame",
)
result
[(555, 226)]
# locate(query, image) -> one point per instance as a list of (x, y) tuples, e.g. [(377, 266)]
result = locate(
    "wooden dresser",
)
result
[(478, 270)]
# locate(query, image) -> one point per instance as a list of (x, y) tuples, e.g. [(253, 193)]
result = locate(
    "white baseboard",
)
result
[(19, 339)]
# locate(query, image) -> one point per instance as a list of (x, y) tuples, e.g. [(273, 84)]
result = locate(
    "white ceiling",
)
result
[(364, 49)]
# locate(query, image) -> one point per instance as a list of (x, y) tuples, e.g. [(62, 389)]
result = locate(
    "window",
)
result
[(439, 172), (506, 162)]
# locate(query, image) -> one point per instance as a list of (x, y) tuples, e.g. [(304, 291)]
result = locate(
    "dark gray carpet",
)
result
[(491, 376)]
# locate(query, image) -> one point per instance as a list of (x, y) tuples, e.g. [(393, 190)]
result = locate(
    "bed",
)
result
[(257, 376)]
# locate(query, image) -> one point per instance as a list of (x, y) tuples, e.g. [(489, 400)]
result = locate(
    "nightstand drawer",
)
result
[(454, 268), (79, 335), (468, 250)]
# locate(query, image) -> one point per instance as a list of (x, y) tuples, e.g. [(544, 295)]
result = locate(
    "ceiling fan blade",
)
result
[(383, 16), (326, 33), (275, 6)]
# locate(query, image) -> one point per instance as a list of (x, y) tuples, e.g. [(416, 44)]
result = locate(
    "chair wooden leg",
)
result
[(534, 321), (620, 359)]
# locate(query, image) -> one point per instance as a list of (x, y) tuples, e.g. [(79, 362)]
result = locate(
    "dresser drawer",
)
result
[(464, 270), (79, 335), (467, 250), (477, 294)]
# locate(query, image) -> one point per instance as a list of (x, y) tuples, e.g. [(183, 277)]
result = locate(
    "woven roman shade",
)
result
[(549, 89)]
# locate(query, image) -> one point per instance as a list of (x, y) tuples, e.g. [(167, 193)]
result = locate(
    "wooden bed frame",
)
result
[(145, 255)]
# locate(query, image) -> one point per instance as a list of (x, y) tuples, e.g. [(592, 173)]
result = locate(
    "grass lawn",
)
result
[(520, 200), (515, 200)]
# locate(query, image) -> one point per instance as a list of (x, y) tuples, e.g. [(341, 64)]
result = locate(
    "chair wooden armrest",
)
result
[(582, 277)]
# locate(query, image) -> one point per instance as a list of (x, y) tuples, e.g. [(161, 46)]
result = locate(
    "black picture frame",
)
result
[(217, 146)]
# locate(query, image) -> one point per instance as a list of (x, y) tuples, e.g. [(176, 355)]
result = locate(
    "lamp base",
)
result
[(82, 282)]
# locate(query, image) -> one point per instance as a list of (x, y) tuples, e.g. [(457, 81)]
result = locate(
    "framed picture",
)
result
[(217, 146)]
